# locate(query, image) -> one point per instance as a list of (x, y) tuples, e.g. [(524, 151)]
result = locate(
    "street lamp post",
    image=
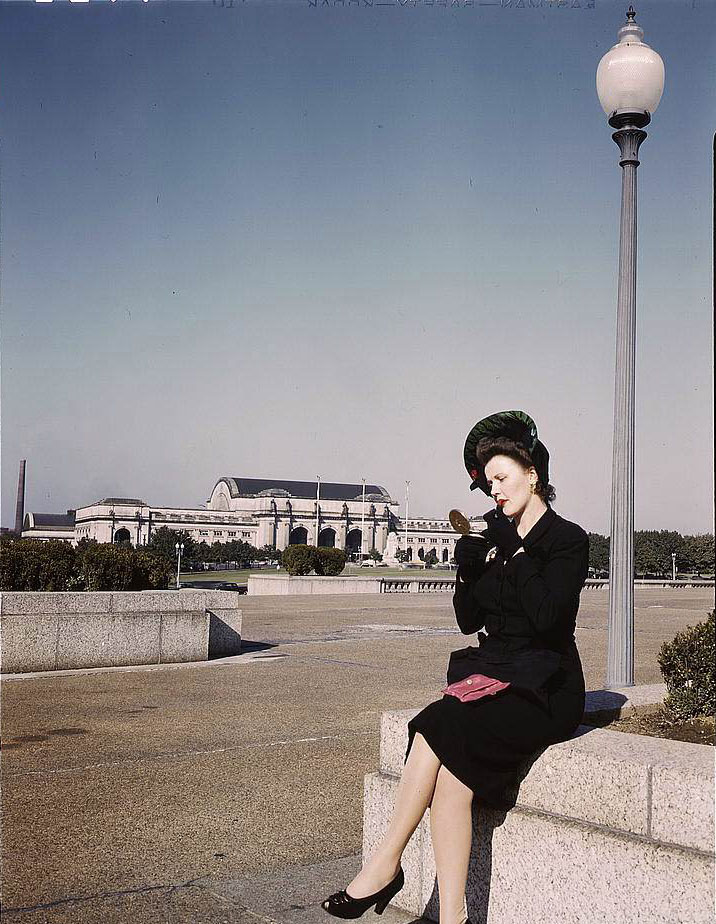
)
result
[(318, 498), (362, 524), (673, 566), (630, 81), (179, 549), (407, 499)]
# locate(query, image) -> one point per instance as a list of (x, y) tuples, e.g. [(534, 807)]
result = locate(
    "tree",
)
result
[(698, 554), (598, 552), (164, 540)]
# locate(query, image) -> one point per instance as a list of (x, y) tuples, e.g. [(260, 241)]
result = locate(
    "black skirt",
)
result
[(489, 743)]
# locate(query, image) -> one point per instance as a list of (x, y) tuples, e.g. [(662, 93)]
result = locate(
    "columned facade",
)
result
[(263, 513)]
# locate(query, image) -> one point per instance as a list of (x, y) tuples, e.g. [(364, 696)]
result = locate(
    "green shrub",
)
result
[(299, 559), (688, 666), (330, 562), (119, 567), (151, 570), (108, 567), (29, 564)]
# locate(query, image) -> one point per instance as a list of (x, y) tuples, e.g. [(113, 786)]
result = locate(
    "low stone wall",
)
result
[(607, 826), (427, 583), (284, 584), (42, 631)]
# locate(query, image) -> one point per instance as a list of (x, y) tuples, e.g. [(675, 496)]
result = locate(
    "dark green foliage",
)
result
[(688, 665), (164, 540), (652, 552), (31, 564), (598, 552), (28, 564), (108, 567), (698, 554), (375, 555), (299, 559), (152, 571), (330, 562), (236, 552)]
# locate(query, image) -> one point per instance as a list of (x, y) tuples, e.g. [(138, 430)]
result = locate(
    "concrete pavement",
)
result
[(231, 790)]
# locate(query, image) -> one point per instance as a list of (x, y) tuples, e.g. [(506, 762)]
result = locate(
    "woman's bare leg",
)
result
[(414, 795), (451, 832)]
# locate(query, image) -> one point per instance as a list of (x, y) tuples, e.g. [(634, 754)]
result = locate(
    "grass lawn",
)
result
[(241, 577)]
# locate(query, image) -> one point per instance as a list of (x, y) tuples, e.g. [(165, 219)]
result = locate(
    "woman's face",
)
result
[(509, 484)]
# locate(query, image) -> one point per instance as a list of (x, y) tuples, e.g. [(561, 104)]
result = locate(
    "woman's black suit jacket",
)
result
[(528, 605)]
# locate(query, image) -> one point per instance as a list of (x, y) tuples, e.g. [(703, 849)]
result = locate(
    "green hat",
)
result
[(515, 425)]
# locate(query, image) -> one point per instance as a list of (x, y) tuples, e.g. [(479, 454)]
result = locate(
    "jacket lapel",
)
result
[(539, 529)]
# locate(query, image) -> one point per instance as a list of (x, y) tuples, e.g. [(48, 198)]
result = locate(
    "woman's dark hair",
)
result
[(490, 446)]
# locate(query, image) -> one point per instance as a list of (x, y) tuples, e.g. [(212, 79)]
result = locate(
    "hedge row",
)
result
[(28, 564), (302, 559)]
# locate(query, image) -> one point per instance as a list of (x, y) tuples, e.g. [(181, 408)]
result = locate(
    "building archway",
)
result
[(421, 553), (122, 535), (298, 536), (409, 553), (327, 538), (445, 556), (353, 542)]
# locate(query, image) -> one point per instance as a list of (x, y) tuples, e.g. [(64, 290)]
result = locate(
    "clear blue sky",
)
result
[(285, 240)]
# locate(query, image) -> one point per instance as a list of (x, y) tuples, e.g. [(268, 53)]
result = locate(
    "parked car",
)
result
[(215, 585)]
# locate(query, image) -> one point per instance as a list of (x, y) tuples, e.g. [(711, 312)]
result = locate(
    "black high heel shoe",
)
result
[(343, 905)]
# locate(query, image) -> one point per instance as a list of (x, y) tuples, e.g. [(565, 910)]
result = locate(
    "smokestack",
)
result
[(20, 508)]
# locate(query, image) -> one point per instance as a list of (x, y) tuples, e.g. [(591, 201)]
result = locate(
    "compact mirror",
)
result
[(459, 522)]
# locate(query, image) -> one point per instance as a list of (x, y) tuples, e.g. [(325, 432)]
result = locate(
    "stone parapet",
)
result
[(42, 631), (607, 826), (285, 584)]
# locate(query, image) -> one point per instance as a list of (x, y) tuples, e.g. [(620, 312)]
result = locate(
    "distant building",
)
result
[(49, 526), (261, 511)]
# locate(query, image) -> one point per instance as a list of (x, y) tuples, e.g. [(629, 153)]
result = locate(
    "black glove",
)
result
[(470, 552), (502, 532)]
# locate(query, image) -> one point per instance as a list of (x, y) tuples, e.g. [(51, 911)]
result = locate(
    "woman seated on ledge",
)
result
[(520, 582)]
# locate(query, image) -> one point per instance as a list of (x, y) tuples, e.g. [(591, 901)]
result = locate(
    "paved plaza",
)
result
[(231, 790)]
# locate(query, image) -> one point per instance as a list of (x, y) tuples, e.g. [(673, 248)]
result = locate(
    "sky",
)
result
[(287, 239)]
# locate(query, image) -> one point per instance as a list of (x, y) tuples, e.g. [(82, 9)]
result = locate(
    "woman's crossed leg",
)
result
[(425, 781)]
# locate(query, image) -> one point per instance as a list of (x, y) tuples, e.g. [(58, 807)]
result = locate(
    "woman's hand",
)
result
[(470, 552), (502, 532)]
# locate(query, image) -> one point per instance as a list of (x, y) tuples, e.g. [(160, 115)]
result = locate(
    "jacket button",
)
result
[(469, 681)]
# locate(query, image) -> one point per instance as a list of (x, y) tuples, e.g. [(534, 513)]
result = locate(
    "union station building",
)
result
[(261, 512)]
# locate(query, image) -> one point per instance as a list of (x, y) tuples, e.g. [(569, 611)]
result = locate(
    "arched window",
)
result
[(298, 536), (327, 538), (122, 535)]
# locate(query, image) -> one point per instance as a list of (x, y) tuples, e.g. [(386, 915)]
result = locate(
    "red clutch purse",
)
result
[(474, 687)]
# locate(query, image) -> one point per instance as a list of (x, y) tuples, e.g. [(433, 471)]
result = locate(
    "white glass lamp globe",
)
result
[(630, 76)]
